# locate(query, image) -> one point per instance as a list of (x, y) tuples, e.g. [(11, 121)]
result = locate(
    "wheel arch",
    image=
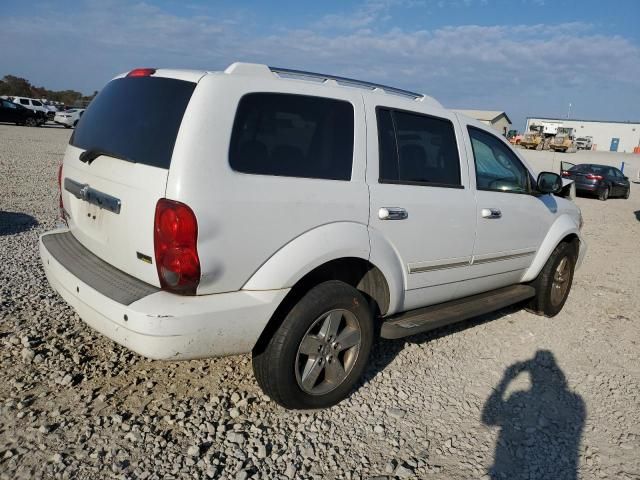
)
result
[(563, 230), (357, 272)]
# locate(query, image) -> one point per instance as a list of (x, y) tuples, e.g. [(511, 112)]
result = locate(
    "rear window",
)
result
[(293, 136), (135, 119)]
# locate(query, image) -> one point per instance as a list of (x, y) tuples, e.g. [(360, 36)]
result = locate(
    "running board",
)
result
[(435, 316)]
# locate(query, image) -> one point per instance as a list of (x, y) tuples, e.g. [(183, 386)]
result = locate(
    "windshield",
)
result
[(135, 119)]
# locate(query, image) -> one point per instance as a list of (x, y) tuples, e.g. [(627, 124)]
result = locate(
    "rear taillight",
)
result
[(141, 72), (591, 176), (175, 238), (565, 173)]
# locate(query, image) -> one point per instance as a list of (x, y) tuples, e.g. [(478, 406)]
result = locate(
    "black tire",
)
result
[(627, 193), (603, 194), (31, 122), (277, 364), (545, 302), (75, 124)]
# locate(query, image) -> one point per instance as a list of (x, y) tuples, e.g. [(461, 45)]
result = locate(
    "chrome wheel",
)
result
[(328, 351), (561, 279)]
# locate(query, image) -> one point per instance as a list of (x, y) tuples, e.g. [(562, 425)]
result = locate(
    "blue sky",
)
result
[(527, 57)]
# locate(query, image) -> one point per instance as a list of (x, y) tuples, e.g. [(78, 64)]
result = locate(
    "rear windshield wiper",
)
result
[(90, 154)]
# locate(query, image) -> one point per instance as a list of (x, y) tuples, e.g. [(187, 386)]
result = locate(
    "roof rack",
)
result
[(287, 72)]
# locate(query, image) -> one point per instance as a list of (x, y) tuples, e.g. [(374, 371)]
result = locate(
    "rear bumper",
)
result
[(581, 187), (166, 326)]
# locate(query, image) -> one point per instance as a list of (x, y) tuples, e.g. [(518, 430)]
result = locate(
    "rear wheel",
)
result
[(554, 281), (603, 194), (31, 122), (320, 350), (75, 124)]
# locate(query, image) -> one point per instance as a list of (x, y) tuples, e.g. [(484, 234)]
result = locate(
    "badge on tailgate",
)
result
[(95, 197)]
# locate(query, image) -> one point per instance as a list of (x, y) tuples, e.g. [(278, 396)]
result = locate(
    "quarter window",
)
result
[(417, 149), (293, 136), (497, 168)]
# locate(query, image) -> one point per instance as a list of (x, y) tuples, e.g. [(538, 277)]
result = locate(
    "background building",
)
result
[(498, 120), (607, 136)]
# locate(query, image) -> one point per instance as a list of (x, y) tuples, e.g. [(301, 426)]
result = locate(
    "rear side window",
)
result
[(417, 149), (135, 119), (293, 136), (24, 102)]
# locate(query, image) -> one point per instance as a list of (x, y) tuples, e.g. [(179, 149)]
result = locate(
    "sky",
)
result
[(525, 57)]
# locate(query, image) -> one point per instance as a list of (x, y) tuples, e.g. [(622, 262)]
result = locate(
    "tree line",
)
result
[(21, 87)]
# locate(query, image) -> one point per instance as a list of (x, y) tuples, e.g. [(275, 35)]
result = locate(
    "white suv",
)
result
[(296, 216), (32, 104)]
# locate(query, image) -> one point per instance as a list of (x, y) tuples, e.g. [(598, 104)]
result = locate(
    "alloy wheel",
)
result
[(328, 352), (560, 284)]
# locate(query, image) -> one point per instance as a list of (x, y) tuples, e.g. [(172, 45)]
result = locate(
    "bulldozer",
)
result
[(535, 139), (564, 141)]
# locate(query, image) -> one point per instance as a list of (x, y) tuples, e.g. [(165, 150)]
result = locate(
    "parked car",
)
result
[(32, 104), (15, 113), (69, 118), (600, 180), (584, 143), (298, 219), (51, 110)]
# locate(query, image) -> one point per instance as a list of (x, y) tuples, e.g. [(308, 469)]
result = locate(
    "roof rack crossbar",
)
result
[(344, 80)]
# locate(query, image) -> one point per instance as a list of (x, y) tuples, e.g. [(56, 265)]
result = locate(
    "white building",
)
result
[(607, 136)]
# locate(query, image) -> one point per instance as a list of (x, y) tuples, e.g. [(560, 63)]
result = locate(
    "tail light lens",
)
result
[(591, 176), (565, 173), (175, 242)]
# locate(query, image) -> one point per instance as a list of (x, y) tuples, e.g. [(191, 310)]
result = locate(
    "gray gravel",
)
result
[(508, 395)]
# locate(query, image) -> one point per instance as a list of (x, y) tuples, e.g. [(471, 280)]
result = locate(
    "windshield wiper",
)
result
[(90, 154)]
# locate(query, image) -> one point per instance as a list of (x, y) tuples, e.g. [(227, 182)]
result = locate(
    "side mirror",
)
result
[(549, 182)]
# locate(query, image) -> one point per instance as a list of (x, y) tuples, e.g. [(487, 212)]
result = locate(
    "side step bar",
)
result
[(435, 316)]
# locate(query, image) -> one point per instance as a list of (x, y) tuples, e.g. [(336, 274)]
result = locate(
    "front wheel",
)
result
[(554, 281), (316, 356), (627, 193), (31, 122)]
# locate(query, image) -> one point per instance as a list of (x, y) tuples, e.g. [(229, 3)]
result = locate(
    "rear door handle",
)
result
[(392, 213), (491, 213)]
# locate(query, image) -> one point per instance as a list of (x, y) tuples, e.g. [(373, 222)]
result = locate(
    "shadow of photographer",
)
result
[(541, 427)]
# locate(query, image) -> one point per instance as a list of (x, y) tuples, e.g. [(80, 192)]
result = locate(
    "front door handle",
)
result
[(491, 213), (392, 213)]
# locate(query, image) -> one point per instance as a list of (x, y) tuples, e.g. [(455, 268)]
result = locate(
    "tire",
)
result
[(75, 124), (603, 194), (627, 193), (31, 122), (328, 312), (553, 283)]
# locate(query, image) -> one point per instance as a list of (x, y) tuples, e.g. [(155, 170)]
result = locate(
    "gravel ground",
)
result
[(507, 395)]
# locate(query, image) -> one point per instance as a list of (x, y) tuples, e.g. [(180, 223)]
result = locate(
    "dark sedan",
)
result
[(600, 180), (14, 113)]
